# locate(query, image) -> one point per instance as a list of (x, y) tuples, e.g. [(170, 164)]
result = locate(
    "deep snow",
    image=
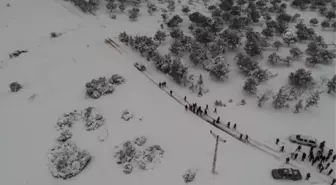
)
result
[(55, 71)]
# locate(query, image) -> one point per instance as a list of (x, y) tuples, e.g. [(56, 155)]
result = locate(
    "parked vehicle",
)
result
[(303, 140), (286, 174), (139, 66)]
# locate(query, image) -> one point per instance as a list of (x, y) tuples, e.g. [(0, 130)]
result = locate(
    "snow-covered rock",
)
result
[(65, 135), (66, 121)]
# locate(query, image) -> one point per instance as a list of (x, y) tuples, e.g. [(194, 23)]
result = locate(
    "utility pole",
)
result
[(216, 149)]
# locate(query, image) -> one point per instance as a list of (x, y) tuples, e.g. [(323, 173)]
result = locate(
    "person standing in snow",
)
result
[(307, 176), (330, 171), (228, 124), (206, 107), (327, 166), (241, 137), (277, 141), (160, 84), (334, 158), (282, 148), (246, 137), (295, 156), (205, 112), (303, 157), (298, 149), (215, 111), (234, 126), (171, 93), (185, 98), (218, 119), (321, 170), (186, 107), (287, 160)]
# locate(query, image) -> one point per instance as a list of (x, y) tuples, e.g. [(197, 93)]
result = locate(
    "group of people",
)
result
[(317, 155)]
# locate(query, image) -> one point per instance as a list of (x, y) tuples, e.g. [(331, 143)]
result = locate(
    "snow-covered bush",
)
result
[(86, 5), (250, 86), (277, 44), (126, 153), (332, 85), (262, 99), (298, 107), (219, 103), (15, 87), (313, 99), (160, 36), (98, 87), (92, 119), (218, 70), (54, 34), (133, 13), (300, 78), (245, 64), (252, 48), (274, 59), (126, 115), (295, 52), (66, 121), (280, 99), (189, 176), (123, 37), (128, 168), (230, 38), (174, 21), (65, 135), (132, 154), (66, 160), (140, 140), (116, 79)]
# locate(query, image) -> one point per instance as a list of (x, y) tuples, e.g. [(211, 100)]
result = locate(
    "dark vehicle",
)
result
[(139, 66), (303, 140), (287, 174)]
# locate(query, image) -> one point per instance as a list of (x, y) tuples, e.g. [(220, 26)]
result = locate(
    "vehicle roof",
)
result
[(306, 137), (289, 171)]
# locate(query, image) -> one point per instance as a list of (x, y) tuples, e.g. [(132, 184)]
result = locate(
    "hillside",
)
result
[(54, 72)]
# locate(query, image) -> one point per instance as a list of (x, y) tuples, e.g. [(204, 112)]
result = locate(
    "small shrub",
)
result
[(300, 78), (15, 87)]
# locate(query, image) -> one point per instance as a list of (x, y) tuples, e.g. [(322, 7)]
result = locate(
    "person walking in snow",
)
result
[(321, 170), (160, 84), (206, 107), (171, 93), (218, 119), (234, 126), (190, 107), (330, 171), (327, 166), (295, 156), (334, 158), (298, 149), (287, 160), (241, 137), (277, 141), (185, 98), (246, 137), (205, 112), (333, 181), (228, 124), (307, 176), (215, 111), (282, 148), (201, 112), (303, 157), (186, 107)]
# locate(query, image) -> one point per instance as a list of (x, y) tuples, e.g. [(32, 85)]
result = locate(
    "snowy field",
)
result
[(53, 74)]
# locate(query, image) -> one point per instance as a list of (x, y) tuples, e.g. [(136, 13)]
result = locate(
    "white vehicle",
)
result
[(139, 66), (303, 140)]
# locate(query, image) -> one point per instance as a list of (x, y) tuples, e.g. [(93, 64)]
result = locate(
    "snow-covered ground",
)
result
[(54, 72)]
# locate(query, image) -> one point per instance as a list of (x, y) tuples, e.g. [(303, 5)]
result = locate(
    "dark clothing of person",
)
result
[(307, 176), (277, 141), (235, 126), (282, 148)]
